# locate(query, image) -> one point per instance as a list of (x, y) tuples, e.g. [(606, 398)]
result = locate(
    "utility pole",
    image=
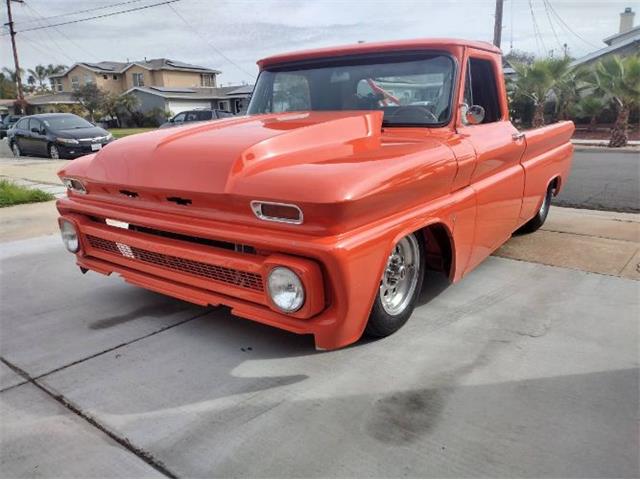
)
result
[(15, 53), (497, 26)]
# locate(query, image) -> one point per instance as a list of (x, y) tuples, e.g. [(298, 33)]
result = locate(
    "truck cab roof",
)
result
[(376, 47)]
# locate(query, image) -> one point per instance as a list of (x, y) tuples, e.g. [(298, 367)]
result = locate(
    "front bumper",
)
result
[(74, 151), (339, 275)]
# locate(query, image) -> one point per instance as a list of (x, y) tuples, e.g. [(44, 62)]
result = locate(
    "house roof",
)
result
[(193, 93), (52, 99), (242, 90), (153, 64), (607, 50), (613, 39)]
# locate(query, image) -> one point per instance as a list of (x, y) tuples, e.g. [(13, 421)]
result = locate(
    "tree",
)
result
[(538, 81), (55, 69), (11, 75), (7, 87), (589, 107), (91, 98), (39, 74), (518, 56), (618, 80), (129, 103)]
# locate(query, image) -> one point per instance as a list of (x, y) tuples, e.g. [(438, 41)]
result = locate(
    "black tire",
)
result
[(54, 152), (538, 220), (15, 149), (382, 323)]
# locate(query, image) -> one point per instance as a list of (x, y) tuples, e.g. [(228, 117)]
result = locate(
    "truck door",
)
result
[(498, 177)]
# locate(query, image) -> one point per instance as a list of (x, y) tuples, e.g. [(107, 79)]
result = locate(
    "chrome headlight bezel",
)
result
[(69, 235), (285, 289)]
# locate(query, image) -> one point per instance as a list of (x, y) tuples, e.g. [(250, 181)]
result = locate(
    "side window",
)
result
[(33, 123), (205, 115), (179, 118), (192, 117), (290, 93), (481, 89), (22, 124)]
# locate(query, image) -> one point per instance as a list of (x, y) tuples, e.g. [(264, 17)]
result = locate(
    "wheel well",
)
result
[(438, 248)]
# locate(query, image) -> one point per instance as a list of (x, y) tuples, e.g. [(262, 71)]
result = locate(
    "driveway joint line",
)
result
[(111, 349), (138, 452), (587, 235)]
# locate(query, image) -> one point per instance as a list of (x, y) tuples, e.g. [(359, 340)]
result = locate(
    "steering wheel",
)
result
[(414, 110)]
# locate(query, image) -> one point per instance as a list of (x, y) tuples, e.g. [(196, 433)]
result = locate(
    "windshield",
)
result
[(409, 89), (66, 122)]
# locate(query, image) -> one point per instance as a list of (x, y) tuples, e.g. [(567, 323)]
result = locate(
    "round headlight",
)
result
[(69, 236), (285, 289)]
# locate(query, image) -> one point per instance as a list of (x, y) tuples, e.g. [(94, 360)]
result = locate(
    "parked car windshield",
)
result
[(409, 89), (66, 122)]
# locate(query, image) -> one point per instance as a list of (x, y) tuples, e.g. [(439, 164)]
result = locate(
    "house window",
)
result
[(138, 79), (88, 78), (207, 80), (115, 77), (106, 77), (59, 84), (75, 82)]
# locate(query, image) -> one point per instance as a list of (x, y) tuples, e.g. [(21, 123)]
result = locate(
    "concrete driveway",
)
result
[(520, 370)]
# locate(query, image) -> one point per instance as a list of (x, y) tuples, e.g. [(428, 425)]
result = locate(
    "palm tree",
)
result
[(40, 74), (55, 69), (618, 80), (590, 107), (11, 74), (538, 81)]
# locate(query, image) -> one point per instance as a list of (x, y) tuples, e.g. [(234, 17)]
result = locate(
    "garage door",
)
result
[(177, 106)]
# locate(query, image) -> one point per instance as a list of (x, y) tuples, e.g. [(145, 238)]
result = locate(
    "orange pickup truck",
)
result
[(356, 169)]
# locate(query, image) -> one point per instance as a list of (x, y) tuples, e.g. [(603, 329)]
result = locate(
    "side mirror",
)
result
[(472, 115)]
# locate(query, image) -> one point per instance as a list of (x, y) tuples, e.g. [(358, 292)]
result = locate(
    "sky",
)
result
[(231, 35)]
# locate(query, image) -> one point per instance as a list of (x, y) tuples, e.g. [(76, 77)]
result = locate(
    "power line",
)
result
[(197, 32), (536, 30), (553, 29), (78, 12), (555, 14), (166, 2), (69, 39)]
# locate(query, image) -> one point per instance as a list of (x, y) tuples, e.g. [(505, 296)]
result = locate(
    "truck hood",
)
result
[(341, 168), (215, 157)]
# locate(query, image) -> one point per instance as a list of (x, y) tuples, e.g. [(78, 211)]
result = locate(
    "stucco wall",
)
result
[(169, 78)]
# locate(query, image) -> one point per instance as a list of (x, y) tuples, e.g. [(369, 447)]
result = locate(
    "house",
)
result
[(49, 103), (625, 42), (178, 99), (118, 77)]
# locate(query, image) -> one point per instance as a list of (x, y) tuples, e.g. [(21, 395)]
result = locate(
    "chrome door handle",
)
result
[(517, 136)]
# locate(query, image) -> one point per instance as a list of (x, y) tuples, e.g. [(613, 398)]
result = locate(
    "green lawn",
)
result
[(12, 194), (123, 132)]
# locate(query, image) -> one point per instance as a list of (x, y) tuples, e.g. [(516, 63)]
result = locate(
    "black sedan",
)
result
[(56, 135)]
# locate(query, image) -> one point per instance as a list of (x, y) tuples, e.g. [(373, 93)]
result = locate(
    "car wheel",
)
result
[(54, 152), (399, 287), (15, 148), (538, 220)]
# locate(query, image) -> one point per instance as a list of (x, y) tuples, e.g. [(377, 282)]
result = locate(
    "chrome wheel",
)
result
[(53, 152), (400, 276), (16, 150)]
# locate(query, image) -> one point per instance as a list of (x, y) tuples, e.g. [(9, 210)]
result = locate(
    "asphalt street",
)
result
[(603, 181), (520, 370)]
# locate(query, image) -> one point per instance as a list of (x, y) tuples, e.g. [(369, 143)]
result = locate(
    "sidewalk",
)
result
[(34, 173)]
